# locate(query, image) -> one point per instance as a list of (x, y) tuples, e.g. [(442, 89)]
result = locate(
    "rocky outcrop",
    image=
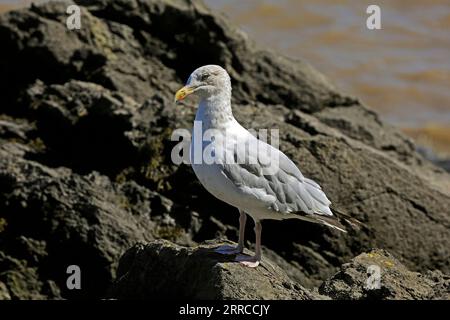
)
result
[(85, 170), (163, 270), (357, 280), (53, 218)]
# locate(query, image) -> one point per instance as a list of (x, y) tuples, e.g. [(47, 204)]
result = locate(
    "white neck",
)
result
[(215, 111)]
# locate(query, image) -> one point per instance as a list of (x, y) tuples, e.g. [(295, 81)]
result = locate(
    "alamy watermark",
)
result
[(373, 22), (74, 279), (373, 281), (212, 146), (73, 21)]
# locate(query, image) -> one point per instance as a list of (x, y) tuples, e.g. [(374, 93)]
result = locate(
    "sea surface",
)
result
[(402, 70)]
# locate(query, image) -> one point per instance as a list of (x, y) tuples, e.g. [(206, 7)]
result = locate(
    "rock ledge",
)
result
[(163, 270)]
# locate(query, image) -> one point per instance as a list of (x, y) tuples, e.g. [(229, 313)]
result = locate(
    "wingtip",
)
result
[(353, 223), (332, 222)]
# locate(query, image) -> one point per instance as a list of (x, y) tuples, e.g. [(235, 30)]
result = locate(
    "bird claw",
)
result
[(251, 262), (228, 250)]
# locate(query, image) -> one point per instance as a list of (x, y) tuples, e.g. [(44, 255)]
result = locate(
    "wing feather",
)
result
[(287, 188)]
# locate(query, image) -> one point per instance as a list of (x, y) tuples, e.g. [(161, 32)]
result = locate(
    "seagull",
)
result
[(236, 167)]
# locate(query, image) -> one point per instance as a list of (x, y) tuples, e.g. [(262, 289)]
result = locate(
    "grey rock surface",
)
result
[(55, 218), (357, 280), (164, 270)]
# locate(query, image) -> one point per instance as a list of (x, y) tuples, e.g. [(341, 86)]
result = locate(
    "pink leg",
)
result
[(242, 222), (254, 261), (240, 248)]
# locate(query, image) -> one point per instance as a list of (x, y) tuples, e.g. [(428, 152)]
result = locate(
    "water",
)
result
[(402, 70)]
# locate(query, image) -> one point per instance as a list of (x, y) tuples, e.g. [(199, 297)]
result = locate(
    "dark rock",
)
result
[(163, 270), (4, 292), (83, 126), (10, 129), (55, 218), (396, 281), (102, 51)]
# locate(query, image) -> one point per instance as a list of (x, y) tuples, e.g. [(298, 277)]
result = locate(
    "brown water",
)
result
[(402, 70)]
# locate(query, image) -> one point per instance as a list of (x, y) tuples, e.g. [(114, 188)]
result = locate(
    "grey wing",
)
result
[(284, 190)]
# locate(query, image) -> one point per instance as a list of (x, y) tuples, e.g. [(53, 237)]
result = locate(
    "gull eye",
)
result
[(204, 77)]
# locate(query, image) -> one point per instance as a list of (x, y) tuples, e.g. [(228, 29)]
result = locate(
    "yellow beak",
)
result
[(183, 93)]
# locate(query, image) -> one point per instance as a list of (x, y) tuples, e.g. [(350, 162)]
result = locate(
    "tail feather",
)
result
[(329, 221), (332, 222), (339, 220), (349, 221)]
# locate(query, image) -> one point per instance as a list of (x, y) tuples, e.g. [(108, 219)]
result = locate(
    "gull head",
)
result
[(206, 81)]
